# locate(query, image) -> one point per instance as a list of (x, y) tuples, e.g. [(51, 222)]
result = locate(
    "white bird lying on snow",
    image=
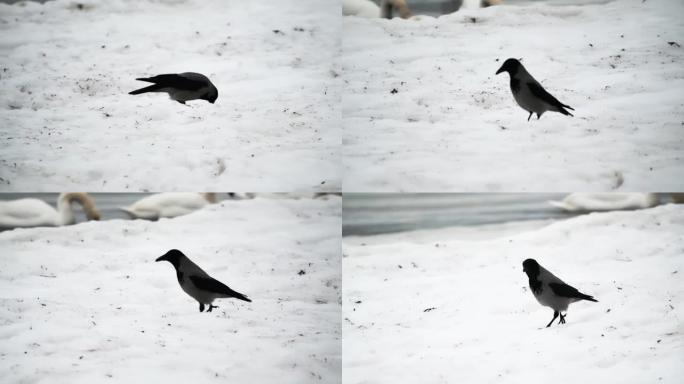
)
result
[(367, 8), (169, 204), (360, 8), (32, 212), (474, 4), (606, 201)]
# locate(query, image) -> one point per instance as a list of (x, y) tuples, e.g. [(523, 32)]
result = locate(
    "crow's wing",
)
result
[(565, 290), (175, 81), (213, 285), (541, 93)]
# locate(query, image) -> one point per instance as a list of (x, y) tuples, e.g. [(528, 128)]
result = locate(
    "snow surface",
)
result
[(452, 125), (67, 121), (420, 309), (88, 304)]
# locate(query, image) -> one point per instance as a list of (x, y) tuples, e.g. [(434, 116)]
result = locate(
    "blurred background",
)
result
[(42, 209), (407, 8), (108, 204), (371, 214)]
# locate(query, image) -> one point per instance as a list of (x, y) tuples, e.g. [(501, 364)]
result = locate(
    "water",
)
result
[(370, 214)]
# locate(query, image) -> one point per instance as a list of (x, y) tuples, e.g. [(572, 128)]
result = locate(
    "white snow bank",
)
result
[(66, 118), (457, 310), (87, 303), (452, 125)]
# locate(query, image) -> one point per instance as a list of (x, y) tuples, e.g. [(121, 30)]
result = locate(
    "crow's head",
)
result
[(211, 95), (531, 267), (173, 256), (511, 66)]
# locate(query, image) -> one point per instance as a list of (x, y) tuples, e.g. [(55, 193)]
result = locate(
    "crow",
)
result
[(197, 283), (551, 291), (181, 87), (528, 93)]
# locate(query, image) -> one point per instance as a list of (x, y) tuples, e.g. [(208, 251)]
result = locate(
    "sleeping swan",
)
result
[(369, 9), (606, 201), (168, 204), (32, 212)]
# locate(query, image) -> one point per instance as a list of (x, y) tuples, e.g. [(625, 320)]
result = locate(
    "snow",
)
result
[(87, 303), (452, 124), (67, 121), (458, 308)]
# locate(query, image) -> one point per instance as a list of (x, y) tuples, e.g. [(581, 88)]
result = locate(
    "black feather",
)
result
[(174, 81), (213, 285), (536, 286), (515, 84), (151, 88), (565, 290), (541, 93)]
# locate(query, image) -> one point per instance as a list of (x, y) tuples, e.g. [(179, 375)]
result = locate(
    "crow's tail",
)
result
[(151, 88), (562, 110), (587, 297), (240, 296)]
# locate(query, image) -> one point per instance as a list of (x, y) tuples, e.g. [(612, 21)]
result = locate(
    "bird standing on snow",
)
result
[(551, 291), (181, 87), (168, 204), (528, 93), (197, 283)]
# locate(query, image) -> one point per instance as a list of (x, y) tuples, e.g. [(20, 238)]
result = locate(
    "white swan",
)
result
[(32, 212), (367, 8), (473, 4), (575, 202), (168, 204), (360, 8)]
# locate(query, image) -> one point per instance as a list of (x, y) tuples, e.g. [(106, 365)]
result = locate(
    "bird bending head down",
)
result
[(551, 291), (528, 93), (197, 283), (181, 87)]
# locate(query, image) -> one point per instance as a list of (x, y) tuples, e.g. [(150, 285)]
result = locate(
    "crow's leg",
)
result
[(201, 307), (562, 318), (212, 307), (538, 116), (555, 314), (530, 116)]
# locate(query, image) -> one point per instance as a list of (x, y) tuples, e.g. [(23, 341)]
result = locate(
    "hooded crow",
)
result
[(551, 291), (528, 93), (181, 87), (197, 283)]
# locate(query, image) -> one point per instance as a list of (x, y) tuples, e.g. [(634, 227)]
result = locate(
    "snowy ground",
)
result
[(420, 308), (423, 109), (67, 121), (87, 303)]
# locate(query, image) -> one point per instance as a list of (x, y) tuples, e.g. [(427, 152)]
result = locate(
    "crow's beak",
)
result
[(160, 258), (500, 70)]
